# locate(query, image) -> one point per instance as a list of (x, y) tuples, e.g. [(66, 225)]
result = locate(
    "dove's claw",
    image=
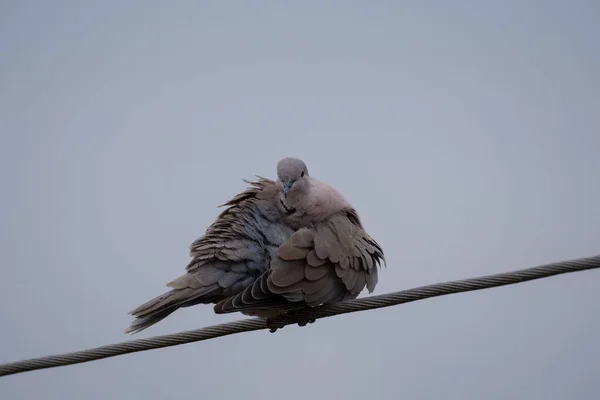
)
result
[(272, 325), (304, 322)]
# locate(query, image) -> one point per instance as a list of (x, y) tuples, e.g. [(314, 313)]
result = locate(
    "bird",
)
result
[(278, 247)]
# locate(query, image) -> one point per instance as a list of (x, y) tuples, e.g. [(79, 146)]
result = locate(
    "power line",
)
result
[(254, 324)]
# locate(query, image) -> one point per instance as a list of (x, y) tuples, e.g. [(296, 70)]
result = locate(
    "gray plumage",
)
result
[(278, 246)]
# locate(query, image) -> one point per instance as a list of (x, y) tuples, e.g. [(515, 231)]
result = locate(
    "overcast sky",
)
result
[(465, 133)]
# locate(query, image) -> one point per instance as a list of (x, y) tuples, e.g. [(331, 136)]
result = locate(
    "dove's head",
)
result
[(292, 177)]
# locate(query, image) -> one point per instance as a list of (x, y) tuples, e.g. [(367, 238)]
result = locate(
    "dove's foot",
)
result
[(301, 321), (306, 321), (273, 325)]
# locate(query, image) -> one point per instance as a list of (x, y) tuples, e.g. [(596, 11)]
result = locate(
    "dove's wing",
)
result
[(235, 251), (332, 260)]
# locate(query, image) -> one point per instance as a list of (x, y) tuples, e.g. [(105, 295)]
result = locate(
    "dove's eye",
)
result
[(302, 174)]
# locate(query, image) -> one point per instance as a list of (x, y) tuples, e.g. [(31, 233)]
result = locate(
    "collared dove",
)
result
[(279, 246)]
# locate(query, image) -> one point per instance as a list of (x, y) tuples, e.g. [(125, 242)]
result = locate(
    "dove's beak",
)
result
[(287, 186)]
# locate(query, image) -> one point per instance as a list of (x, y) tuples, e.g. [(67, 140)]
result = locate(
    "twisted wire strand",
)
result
[(254, 324)]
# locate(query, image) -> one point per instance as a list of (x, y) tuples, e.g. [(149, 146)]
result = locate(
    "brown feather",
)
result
[(341, 272), (303, 238), (286, 273), (345, 261), (313, 260), (359, 285), (351, 278), (316, 273), (372, 280), (288, 251)]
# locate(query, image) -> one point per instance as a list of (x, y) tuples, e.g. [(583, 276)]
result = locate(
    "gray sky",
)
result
[(466, 134)]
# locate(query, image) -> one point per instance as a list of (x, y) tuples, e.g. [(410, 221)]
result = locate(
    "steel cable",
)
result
[(254, 324)]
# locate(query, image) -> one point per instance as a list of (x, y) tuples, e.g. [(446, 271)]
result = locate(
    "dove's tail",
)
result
[(162, 306), (155, 310)]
